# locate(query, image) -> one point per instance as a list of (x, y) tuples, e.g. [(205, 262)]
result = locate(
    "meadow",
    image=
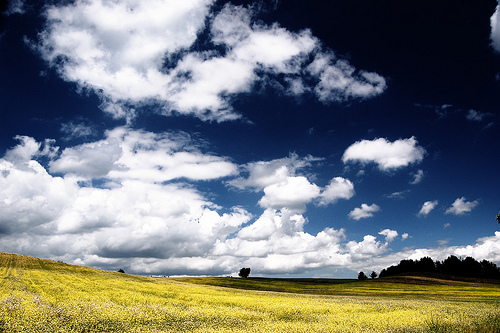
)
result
[(45, 296)]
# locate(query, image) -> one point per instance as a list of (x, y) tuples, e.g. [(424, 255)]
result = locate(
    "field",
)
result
[(46, 296)]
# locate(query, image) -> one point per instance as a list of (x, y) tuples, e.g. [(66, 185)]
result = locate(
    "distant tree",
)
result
[(468, 267), (489, 270), (362, 276), (407, 265), (121, 271), (471, 267), (244, 272), (425, 265), (373, 275), (452, 266)]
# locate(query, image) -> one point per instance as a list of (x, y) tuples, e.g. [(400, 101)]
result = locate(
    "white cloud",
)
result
[(338, 80), (209, 81), (388, 155), (146, 226), (417, 177), (264, 173), (485, 248), (292, 193), (461, 206), (77, 130), (389, 234), (427, 207), (91, 160), (364, 211), (118, 47), (369, 247), (338, 188), (283, 189), (139, 155), (132, 52), (398, 195), (55, 217), (495, 29), (29, 148), (30, 197)]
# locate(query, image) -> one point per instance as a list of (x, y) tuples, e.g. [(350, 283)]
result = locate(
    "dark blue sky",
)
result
[(311, 138)]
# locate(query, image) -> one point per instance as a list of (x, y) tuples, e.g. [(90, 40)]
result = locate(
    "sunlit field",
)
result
[(45, 296)]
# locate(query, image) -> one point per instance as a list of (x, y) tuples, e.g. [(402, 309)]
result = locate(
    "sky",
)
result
[(298, 138)]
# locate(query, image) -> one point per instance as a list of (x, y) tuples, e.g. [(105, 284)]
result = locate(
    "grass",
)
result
[(45, 296)]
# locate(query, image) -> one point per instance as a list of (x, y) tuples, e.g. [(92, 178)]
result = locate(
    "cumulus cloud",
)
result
[(485, 248), (387, 155), (367, 248), (89, 210), (136, 218), (264, 173), (92, 160), (283, 188), (140, 155), (29, 148), (461, 206), (338, 81), (364, 211), (389, 234), (148, 225), (292, 193), (133, 52), (427, 207), (338, 188)]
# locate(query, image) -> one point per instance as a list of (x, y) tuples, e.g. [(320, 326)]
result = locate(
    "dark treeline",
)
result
[(468, 267)]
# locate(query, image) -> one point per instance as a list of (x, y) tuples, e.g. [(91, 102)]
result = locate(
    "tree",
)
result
[(425, 265), (452, 266), (373, 275), (362, 276), (121, 271), (244, 272), (498, 217)]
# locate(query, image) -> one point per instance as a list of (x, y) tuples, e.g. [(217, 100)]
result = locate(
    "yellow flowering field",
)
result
[(45, 296)]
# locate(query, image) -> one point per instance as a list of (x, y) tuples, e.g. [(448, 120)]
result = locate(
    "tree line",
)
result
[(468, 267)]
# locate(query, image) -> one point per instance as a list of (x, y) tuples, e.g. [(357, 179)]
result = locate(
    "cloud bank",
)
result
[(130, 200)]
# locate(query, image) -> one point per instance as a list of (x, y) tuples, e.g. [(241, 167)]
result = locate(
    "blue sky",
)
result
[(314, 138)]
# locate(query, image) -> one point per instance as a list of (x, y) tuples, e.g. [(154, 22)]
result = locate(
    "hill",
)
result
[(397, 286), (38, 295)]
